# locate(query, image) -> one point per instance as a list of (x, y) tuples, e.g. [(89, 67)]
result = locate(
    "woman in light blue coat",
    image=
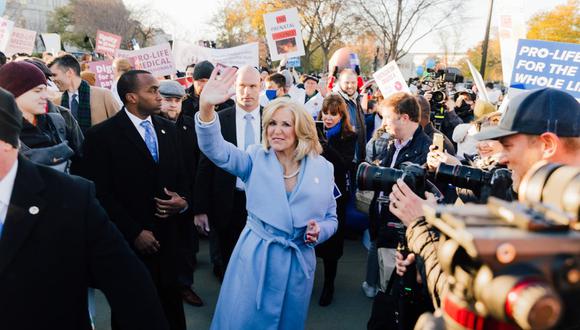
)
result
[(291, 207)]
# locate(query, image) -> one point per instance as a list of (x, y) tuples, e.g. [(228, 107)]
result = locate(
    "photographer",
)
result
[(464, 105), (485, 161), (445, 118), (542, 125), (401, 114)]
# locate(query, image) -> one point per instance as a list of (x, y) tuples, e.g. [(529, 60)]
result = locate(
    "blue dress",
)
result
[(269, 278)]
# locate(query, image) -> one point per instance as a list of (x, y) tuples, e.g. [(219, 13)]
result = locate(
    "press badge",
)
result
[(336, 192)]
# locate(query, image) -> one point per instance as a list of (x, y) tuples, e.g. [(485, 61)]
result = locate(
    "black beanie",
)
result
[(202, 70), (10, 119)]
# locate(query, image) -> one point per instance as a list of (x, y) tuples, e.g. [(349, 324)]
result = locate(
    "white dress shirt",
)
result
[(6, 187), (137, 123), (241, 132), (398, 146)]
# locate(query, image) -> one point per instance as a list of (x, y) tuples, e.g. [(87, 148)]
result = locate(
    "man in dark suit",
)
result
[(135, 161), (186, 133), (55, 241), (219, 196)]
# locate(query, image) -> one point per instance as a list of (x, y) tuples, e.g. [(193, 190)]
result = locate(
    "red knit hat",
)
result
[(20, 77)]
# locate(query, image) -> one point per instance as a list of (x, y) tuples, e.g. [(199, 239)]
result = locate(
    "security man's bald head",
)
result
[(248, 87)]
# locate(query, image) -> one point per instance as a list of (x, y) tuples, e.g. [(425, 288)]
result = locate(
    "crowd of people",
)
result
[(263, 162)]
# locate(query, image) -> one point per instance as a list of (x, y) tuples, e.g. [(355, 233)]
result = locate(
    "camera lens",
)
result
[(371, 177), (462, 176), (534, 306), (438, 96)]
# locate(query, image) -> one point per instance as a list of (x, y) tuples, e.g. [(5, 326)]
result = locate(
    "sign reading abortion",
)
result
[(540, 64)]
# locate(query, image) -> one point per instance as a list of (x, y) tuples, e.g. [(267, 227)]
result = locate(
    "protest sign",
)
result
[(51, 42), (293, 62), (186, 54), (511, 28), (21, 41), (478, 80), (186, 82), (107, 43), (103, 73), (156, 59), (390, 80), (283, 34), (540, 64), (6, 27)]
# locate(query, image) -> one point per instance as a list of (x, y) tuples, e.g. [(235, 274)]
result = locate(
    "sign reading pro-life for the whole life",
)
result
[(540, 64), (284, 34)]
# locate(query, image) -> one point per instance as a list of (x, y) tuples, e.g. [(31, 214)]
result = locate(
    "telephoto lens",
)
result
[(378, 178), (462, 176)]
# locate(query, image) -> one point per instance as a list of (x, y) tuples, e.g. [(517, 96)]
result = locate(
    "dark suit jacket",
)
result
[(214, 187), (127, 179), (48, 259)]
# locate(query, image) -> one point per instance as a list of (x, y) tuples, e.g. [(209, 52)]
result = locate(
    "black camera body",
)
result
[(496, 183)]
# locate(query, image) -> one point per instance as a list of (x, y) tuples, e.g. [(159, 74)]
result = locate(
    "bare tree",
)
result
[(109, 15), (400, 24), (332, 24), (450, 42)]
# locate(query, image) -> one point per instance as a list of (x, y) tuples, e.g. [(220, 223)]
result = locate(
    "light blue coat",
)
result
[(269, 278)]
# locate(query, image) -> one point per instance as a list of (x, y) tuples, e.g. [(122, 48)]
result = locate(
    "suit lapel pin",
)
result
[(33, 210), (184, 128), (162, 131), (316, 180)]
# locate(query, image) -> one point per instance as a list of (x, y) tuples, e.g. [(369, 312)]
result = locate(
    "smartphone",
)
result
[(438, 141), (320, 126), (221, 68)]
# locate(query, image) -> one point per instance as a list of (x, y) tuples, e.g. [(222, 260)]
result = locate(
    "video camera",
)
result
[(513, 265), (484, 184), (439, 92)]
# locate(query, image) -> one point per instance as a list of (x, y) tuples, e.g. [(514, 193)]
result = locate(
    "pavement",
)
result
[(349, 310)]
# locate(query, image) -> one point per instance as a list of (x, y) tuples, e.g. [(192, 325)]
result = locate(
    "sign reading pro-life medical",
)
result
[(156, 59), (284, 34), (540, 64)]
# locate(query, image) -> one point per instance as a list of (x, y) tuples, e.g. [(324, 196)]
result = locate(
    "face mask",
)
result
[(271, 94)]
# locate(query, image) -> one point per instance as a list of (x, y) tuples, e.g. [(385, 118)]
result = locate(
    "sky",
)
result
[(189, 20)]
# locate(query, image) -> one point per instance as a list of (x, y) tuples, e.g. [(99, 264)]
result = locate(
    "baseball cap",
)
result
[(537, 112)]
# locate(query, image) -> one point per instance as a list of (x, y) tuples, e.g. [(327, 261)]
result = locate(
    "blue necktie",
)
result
[(249, 137), (74, 106), (1, 225), (150, 139)]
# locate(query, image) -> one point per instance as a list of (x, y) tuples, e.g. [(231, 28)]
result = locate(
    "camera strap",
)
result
[(468, 319)]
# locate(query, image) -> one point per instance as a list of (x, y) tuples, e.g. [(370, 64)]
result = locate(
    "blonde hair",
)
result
[(121, 65), (304, 127)]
